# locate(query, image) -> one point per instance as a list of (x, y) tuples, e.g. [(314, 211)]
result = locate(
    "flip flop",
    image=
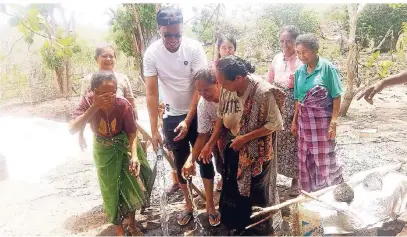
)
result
[(214, 217), (184, 214)]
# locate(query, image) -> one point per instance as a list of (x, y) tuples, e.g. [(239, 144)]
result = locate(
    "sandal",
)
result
[(184, 218), (214, 217)]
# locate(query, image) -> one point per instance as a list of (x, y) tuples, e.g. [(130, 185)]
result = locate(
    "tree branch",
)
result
[(209, 6), (360, 8), (335, 38), (192, 18), (378, 47), (11, 50), (207, 23)]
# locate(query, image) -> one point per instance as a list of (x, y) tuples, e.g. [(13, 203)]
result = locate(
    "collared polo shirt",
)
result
[(325, 74)]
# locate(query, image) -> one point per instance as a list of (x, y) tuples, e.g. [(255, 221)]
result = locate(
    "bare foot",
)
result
[(134, 231), (120, 230), (294, 189)]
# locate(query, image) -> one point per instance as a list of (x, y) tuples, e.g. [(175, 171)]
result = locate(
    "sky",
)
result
[(87, 13), (96, 15)]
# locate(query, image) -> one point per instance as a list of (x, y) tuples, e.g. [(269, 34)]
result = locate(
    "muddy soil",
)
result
[(67, 201)]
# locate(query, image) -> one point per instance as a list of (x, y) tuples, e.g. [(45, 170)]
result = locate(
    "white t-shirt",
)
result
[(207, 115), (175, 72)]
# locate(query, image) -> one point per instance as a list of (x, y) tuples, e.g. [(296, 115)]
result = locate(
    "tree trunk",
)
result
[(67, 62), (214, 33), (64, 81), (140, 37), (68, 71), (157, 7), (351, 60), (56, 82)]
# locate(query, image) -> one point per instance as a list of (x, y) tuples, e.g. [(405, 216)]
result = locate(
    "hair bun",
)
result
[(251, 68)]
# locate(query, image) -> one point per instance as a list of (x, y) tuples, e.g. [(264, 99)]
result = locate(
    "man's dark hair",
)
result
[(205, 75), (99, 77), (169, 16), (233, 66)]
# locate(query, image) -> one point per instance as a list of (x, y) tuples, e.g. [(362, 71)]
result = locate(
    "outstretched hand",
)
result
[(371, 91)]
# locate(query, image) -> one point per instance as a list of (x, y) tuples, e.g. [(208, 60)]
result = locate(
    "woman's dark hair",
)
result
[(292, 30), (233, 66), (205, 75), (224, 38), (99, 50), (308, 40), (99, 77)]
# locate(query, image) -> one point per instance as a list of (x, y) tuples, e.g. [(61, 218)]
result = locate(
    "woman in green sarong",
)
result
[(122, 169)]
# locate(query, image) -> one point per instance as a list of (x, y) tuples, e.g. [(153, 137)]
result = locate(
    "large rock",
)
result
[(344, 193)]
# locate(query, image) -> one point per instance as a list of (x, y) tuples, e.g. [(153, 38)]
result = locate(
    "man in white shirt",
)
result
[(171, 62)]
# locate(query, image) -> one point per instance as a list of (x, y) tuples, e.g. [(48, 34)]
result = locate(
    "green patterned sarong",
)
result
[(121, 192)]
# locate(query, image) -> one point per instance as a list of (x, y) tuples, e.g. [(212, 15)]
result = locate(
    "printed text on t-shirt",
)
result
[(231, 107)]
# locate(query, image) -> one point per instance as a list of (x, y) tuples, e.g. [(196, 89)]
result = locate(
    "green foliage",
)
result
[(384, 67), (188, 32), (266, 34), (293, 14), (32, 20), (203, 26), (147, 17), (124, 28), (263, 38), (53, 53), (402, 40), (12, 80), (230, 28), (372, 59), (376, 20), (308, 21), (379, 67), (83, 53), (329, 49), (52, 57)]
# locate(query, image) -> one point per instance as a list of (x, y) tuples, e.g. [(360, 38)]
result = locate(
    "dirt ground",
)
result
[(67, 201)]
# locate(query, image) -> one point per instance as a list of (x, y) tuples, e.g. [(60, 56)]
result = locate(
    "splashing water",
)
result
[(162, 192), (198, 224)]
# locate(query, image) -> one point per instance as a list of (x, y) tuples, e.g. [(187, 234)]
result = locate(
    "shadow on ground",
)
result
[(91, 219)]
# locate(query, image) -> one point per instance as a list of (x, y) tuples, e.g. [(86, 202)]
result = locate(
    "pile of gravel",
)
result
[(344, 193)]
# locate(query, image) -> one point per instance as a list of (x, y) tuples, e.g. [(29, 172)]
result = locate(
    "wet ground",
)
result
[(49, 187)]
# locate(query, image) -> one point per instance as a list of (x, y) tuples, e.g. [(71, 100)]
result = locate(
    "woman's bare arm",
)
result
[(79, 122)]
